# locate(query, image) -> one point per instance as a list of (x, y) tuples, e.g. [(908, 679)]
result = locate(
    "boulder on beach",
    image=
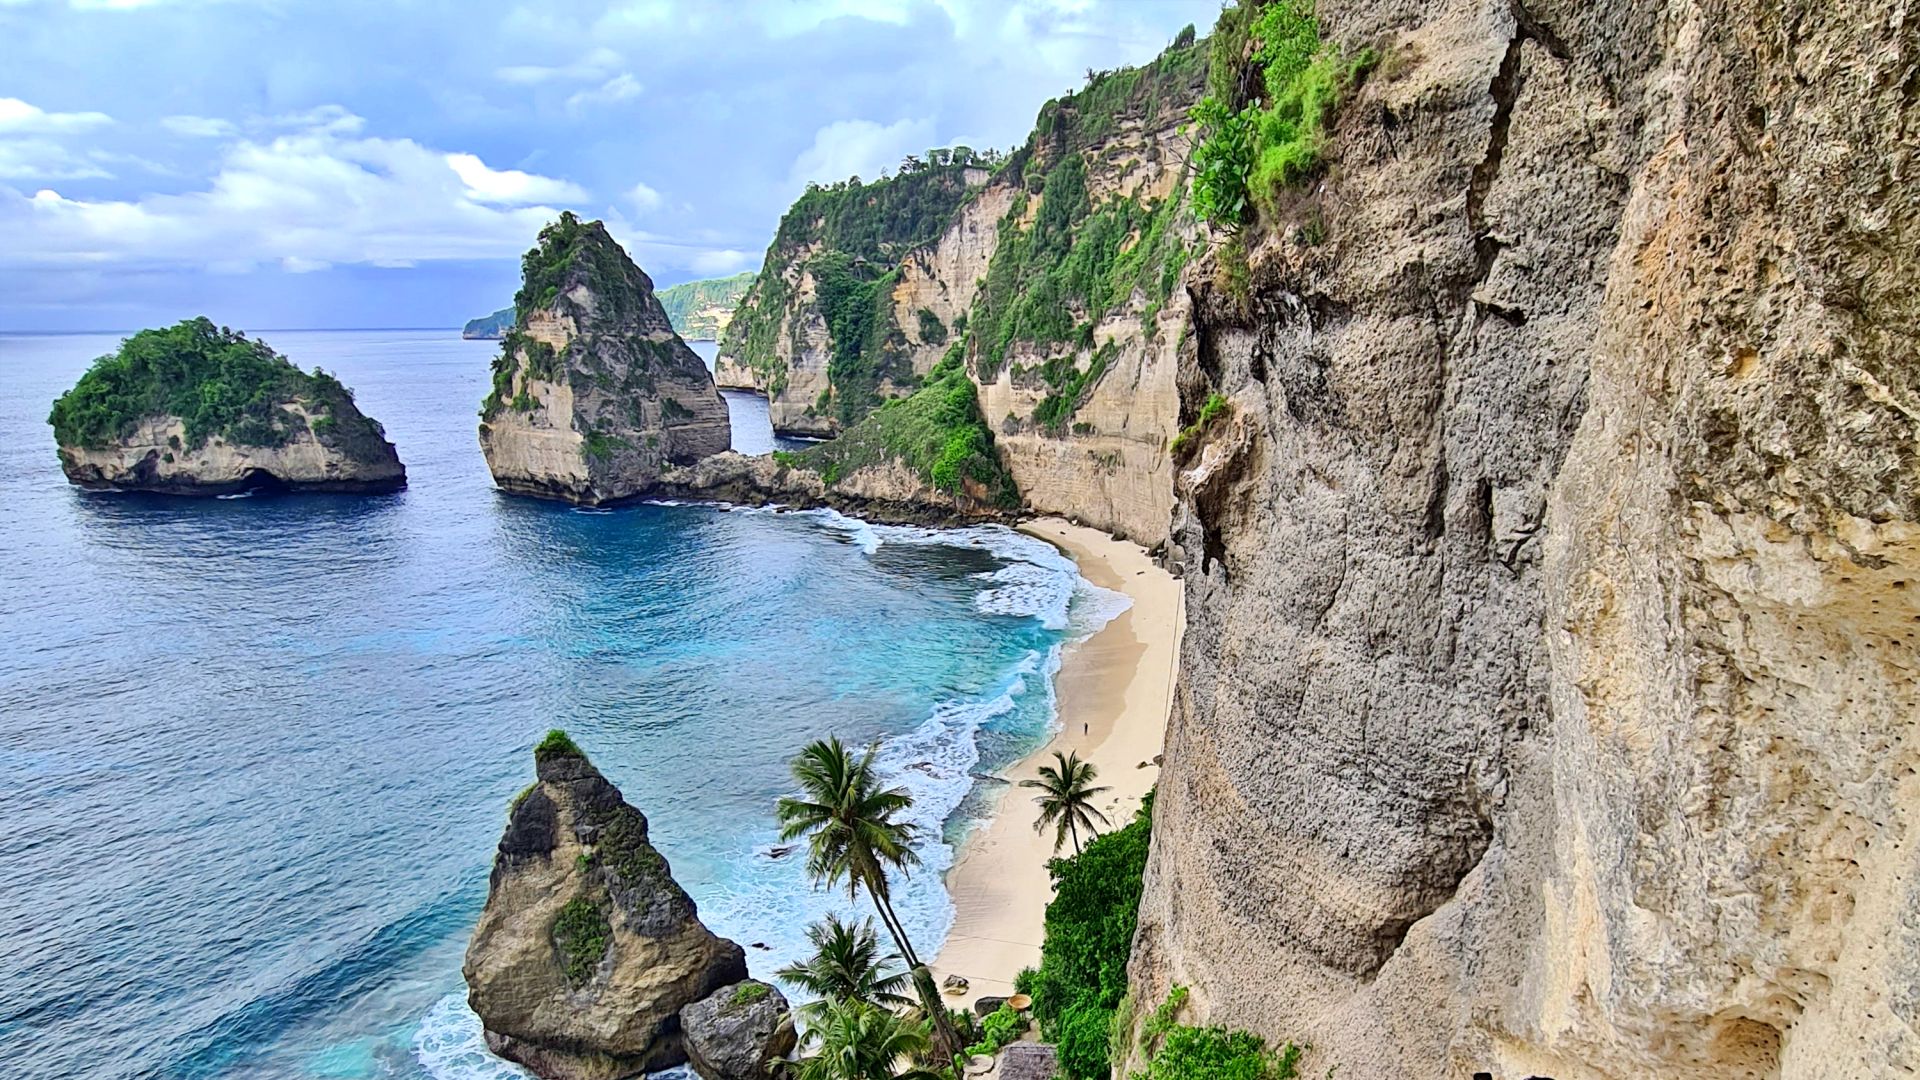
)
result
[(738, 1032), (587, 950)]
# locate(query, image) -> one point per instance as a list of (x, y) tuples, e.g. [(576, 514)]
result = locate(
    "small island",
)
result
[(199, 409)]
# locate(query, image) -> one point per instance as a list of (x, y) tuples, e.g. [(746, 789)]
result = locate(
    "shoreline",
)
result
[(1113, 691)]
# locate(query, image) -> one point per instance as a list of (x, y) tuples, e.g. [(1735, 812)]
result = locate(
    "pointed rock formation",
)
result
[(593, 393), (198, 409), (587, 949)]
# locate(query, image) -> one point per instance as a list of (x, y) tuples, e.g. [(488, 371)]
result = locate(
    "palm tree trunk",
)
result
[(946, 1041), (1074, 831)]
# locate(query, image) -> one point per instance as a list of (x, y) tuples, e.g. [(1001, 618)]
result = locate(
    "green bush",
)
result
[(1175, 1051), (997, 1029), (937, 431), (1089, 932), (1250, 152), (581, 933), (556, 744), (932, 330)]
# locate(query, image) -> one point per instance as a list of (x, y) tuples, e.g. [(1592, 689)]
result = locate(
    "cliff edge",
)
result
[(593, 393)]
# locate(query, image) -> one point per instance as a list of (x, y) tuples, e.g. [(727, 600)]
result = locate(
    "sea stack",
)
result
[(593, 392), (587, 949), (198, 409)]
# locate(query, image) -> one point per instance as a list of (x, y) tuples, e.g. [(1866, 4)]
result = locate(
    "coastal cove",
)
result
[(265, 862)]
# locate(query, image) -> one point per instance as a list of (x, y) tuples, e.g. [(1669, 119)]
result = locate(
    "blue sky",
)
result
[(340, 163)]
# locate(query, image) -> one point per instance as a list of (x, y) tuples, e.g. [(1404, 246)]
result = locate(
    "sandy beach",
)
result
[(1114, 689)]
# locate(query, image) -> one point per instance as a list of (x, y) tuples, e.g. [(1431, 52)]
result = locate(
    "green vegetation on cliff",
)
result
[(1082, 977), (1051, 282), (581, 933), (699, 309), (1264, 134), (217, 381), (850, 236), (937, 431)]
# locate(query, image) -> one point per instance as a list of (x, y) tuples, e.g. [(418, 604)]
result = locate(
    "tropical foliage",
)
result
[(217, 381), (856, 832), (937, 431), (1082, 977), (846, 965), (1259, 139), (1177, 1051), (858, 1041), (1066, 798)]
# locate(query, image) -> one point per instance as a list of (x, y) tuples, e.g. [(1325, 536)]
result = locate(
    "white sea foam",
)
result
[(450, 1045)]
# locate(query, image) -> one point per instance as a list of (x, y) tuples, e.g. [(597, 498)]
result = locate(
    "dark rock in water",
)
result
[(197, 409), (593, 393), (738, 1032), (587, 949)]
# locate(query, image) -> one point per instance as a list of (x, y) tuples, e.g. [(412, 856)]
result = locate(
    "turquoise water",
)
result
[(255, 753)]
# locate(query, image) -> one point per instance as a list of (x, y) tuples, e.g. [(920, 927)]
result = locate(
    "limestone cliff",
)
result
[(1051, 275), (593, 393), (1553, 571), (587, 949), (196, 409)]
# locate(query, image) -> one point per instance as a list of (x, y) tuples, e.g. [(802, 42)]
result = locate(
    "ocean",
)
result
[(255, 753)]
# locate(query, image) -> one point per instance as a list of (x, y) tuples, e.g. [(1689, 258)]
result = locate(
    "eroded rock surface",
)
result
[(588, 949), (738, 1032), (1553, 585), (593, 392)]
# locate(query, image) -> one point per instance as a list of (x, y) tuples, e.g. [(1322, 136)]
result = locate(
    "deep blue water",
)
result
[(255, 753)]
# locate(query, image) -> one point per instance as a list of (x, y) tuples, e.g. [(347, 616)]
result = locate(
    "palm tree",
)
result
[(858, 1041), (854, 835), (846, 965), (1066, 798)]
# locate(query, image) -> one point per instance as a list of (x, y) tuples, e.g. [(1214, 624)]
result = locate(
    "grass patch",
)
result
[(1215, 407), (1253, 150), (581, 933), (747, 993), (556, 744)]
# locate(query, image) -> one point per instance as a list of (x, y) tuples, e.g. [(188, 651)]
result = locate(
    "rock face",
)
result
[(587, 949), (196, 409), (1553, 581), (1080, 390), (593, 393), (738, 1032), (888, 493)]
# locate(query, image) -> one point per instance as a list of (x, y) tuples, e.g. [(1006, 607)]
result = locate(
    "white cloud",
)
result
[(18, 117), (622, 87), (302, 201), (510, 187), (859, 148), (722, 261), (330, 119), (643, 198), (594, 66), (199, 127), (41, 159)]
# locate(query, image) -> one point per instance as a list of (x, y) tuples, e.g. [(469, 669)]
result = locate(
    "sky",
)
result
[(383, 163)]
